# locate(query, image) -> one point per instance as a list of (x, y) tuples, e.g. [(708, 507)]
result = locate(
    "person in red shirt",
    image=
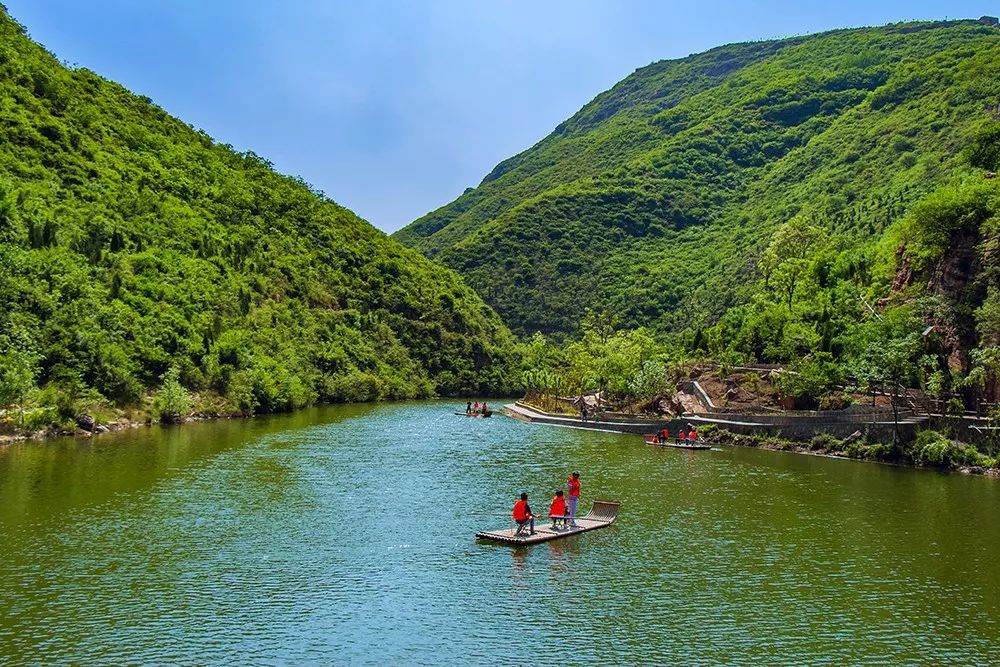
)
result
[(523, 516), (557, 510), (664, 435), (573, 484), (681, 437)]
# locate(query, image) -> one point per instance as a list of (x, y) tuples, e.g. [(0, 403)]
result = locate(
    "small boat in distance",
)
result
[(488, 413), (685, 444)]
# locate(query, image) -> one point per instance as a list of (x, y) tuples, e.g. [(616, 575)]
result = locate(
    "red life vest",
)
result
[(558, 507), (693, 435), (520, 512), (665, 434), (574, 486), (681, 436)]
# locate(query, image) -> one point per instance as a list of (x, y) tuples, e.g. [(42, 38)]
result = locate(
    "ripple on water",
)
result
[(348, 540)]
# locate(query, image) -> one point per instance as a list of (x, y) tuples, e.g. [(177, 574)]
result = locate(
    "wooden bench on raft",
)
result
[(557, 521)]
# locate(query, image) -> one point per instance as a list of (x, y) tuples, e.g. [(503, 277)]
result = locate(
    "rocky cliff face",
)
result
[(954, 281), (954, 289)]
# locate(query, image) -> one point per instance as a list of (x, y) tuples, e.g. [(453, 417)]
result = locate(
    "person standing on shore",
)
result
[(573, 484)]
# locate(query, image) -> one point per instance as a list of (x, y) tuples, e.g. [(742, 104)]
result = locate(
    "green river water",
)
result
[(345, 535)]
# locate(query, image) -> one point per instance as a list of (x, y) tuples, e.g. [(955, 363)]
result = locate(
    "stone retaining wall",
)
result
[(795, 427)]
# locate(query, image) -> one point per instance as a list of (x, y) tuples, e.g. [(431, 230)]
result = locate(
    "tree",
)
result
[(984, 149), (649, 382), (609, 360), (935, 219), (172, 401), (17, 377), (988, 318), (985, 370), (786, 258), (537, 352), (887, 356), (812, 377)]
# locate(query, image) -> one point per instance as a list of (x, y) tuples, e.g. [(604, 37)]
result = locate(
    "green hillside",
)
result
[(133, 247), (657, 202)]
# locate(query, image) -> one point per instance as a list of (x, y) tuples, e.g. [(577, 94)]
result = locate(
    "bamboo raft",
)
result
[(651, 440), (488, 413), (602, 514)]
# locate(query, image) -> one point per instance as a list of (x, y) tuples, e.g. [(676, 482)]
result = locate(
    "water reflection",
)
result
[(320, 537), (519, 562)]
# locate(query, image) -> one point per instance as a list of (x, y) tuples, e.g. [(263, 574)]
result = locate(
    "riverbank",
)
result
[(85, 419), (929, 449), (100, 428), (87, 425)]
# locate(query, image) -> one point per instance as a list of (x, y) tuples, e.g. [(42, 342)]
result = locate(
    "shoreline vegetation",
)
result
[(113, 420), (105, 420), (931, 450)]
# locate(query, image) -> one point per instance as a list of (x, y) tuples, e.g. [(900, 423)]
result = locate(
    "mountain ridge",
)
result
[(134, 248), (645, 173)]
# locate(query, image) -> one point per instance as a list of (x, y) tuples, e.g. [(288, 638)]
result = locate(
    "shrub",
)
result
[(941, 214), (240, 394), (814, 377), (277, 390), (984, 150), (708, 430), (40, 419), (869, 451), (358, 387), (17, 377), (824, 441), (954, 407), (933, 449), (172, 401), (835, 401), (68, 395), (901, 144)]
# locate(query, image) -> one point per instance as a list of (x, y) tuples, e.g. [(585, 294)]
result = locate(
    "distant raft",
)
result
[(602, 514), (687, 444), (488, 413)]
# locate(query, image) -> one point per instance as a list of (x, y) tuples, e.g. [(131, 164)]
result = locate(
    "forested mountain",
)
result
[(660, 202), (133, 247)]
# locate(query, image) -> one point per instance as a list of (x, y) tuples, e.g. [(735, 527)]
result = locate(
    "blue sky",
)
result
[(393, 108)]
